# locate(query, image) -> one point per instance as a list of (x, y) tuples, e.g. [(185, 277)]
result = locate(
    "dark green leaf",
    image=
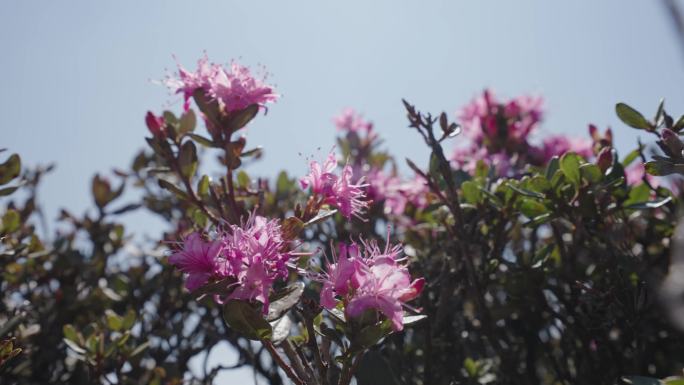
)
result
[(187, 122), (10, 169), (632, 117), (239, 119), (284, 301), (246, 320), (570, 164), (188, 159)]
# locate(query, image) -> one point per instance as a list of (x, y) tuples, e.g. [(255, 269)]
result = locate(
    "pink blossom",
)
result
[(336, 190), (635, 173), (372, 280), (253, 256), (557, 145), (350, 121), (485, 119), (395, 192), (234, 88), (199, 259)]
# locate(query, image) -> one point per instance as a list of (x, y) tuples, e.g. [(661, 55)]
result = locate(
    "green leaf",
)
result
[(539, 184), (70, 333), (246, 320), (128, 320), (525, 192), (74, 346), (679, 124), (8, 190), (570, 164), (203, 186), (650, 205), (202, 140), (10, 169), (284, 301), (471, 192), (102, 191), (187, 122), (532, 208), (632, 117), (639, 380), (370, 335), (114, 321), (166, 185), (553, 166), (239, 119), (630, 158), (281, 329), (141, 348), (662, 168), (591, 172), (11, 221), (188, 159), (412, 319), (321, 216), (471, 367), (243, 179)]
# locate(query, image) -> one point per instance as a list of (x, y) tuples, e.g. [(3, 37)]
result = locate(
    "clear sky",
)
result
[(77, 74)]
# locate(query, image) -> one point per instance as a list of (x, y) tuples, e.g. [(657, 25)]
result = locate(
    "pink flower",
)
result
[(199, 259), (485, 119), (351, 121), (234, 88), (395, 192), (253, 256), (557, 145), (321, 178), (374, 281), (634, 175), (336, 190)]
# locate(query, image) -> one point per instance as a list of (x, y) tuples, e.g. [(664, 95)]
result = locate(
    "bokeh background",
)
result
[(78, 77)]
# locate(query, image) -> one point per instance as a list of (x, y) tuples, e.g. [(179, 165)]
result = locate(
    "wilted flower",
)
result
[(252, 255), (371, 279), (234, 88), (336, 190)]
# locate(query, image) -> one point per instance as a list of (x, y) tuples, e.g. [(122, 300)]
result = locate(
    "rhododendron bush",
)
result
[(508, 256)]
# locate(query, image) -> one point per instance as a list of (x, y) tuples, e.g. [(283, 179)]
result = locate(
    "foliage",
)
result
[(548, 272)]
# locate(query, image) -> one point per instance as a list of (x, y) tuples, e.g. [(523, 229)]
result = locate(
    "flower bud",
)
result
[(155, 124), (605, 159), (672, 141)]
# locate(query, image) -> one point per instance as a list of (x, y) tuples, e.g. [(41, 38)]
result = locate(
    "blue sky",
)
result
[(77, 78)]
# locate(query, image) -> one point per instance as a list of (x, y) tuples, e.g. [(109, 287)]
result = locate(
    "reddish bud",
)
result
[(605, 159), (672, 141), (593, 132), (155, 124)]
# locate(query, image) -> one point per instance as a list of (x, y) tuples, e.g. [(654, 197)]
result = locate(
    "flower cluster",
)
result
[(500, 133), (368, 278), (395, 192), (351, 121), (234, 88), (252, 256), (336, 190)]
